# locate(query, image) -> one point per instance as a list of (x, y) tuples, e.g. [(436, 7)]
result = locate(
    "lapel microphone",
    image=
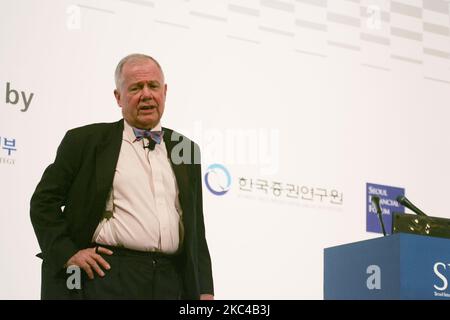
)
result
[(150, 145)]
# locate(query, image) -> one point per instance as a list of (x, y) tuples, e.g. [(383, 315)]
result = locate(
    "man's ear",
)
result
[(117, 95)]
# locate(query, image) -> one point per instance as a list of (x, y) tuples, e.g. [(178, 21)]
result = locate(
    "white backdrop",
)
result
[(324, 94)]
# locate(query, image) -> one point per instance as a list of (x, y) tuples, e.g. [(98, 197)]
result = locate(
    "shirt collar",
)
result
[(129, 133)]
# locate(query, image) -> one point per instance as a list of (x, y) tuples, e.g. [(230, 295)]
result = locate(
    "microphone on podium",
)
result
[(376, 203), (405, 202)]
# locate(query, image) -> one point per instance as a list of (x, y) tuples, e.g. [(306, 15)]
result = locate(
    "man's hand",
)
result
[(206, 297), (89, 260)]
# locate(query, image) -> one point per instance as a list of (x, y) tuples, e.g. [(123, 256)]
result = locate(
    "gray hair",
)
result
[(132, 57)]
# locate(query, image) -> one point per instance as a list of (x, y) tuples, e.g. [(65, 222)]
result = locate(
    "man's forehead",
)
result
[(140, 66), (141, 71)]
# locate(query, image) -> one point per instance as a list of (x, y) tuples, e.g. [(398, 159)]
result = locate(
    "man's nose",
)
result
[(146, 93)]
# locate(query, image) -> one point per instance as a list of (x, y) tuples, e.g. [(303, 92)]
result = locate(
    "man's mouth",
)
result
[(147, 107)]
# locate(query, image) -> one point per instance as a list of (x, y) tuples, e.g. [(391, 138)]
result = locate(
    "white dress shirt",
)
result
[(143, 210)]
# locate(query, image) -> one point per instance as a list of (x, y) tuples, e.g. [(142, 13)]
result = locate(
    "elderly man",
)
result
[(123, 202)]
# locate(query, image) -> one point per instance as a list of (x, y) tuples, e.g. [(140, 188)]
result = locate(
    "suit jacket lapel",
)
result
[(180, 171), (107, 154)]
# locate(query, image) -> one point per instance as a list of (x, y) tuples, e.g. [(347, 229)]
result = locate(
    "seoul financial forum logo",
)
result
[(388, 202), (218, 179)]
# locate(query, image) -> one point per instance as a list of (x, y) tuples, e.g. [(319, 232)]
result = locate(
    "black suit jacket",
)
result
[(70, 199)]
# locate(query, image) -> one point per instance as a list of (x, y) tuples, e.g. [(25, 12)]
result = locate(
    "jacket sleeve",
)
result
[(204, 259), (49, 222)]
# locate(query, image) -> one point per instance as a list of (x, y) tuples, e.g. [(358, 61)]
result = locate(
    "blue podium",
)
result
[(399, 266)]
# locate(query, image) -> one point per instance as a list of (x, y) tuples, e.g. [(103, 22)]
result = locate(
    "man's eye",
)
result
[(133, 89)]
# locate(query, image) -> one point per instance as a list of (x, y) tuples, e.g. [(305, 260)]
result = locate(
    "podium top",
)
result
[(422, 225)]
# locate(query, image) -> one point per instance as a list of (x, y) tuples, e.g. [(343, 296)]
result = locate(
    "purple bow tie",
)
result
[(152, 136)]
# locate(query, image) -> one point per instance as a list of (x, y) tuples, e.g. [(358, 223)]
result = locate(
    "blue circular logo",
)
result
[(217, 179)]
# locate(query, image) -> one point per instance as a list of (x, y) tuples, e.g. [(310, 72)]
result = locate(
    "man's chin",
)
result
[(147, 123)]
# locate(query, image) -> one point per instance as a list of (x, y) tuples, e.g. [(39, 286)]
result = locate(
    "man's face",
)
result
[(141, 94)]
